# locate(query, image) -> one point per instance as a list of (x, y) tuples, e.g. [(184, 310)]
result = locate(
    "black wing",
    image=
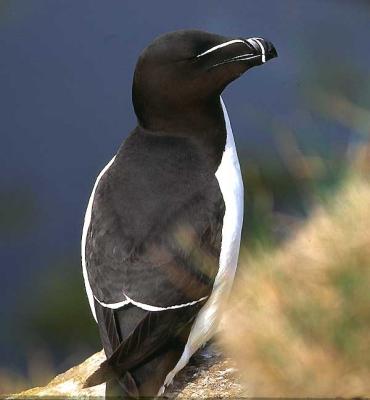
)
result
[(155, 231)]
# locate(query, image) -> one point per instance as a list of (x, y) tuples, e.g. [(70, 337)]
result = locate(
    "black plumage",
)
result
[(155, 231)]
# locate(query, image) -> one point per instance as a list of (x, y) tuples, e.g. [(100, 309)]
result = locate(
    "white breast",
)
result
[(231, 186)]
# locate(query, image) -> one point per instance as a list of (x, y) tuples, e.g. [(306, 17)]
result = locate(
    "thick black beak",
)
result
[(263, 48), (246, 52)]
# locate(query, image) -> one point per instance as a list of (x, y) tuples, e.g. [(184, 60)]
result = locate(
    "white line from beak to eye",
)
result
[(219, 46), (258, 41)]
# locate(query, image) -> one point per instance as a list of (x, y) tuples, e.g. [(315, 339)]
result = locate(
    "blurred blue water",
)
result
[(65, 101)]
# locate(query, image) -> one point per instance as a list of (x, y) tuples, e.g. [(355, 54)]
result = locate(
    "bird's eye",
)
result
[(192, 58), (187, 59)]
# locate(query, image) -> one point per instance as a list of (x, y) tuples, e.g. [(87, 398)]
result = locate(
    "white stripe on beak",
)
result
[(219, 46), (258, 41)]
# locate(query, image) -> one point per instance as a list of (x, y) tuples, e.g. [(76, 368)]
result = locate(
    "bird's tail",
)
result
[(124, 387), (147, 337), (104, 373), (156, 333), (116, 387)]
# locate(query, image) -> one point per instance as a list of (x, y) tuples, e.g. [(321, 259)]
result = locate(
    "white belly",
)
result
[(231, 186)]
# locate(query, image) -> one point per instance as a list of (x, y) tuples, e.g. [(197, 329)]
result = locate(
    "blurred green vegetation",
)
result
[(303, 307), (19, 212), (57, 313)]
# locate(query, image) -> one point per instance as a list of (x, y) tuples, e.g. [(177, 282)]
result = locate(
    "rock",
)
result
[(69, 383), (207, 375)]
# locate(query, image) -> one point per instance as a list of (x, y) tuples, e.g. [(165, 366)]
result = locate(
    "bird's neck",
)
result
[(198, 119), (203, 124)]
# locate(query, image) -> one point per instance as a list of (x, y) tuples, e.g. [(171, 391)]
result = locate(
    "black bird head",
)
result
[(189, 69)]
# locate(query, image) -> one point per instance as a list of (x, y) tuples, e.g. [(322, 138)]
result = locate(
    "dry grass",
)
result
[(300, 315)]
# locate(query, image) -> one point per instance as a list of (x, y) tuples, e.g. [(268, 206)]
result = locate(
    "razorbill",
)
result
[(162, 229)]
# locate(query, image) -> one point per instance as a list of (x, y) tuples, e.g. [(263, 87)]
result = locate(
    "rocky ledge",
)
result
[(208, 375)]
